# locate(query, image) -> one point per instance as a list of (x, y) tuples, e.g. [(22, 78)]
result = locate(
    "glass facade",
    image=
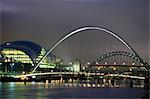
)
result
[(19, 56), (14, 55), (47, 62), (11, 55)]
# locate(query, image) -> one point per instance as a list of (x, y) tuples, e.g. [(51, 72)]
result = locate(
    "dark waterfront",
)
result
[(17, 90)]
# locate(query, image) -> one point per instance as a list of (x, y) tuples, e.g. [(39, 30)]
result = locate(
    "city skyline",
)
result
[(50, 20)]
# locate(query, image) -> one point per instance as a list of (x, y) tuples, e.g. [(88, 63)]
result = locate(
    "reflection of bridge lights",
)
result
[(130, 69), (133, 63), (33, 82), (12, 84), (114, 68), (123, 63)]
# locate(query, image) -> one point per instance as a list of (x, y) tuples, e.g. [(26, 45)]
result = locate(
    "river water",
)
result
[(18, 90)]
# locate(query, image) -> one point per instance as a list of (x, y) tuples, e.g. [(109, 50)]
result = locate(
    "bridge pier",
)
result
[(25, 81), (47, 81)]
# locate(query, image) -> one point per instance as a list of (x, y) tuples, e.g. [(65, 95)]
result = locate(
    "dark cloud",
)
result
[(46, 21)]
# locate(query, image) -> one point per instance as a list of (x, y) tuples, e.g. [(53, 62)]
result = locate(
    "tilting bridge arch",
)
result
[(83, 29)]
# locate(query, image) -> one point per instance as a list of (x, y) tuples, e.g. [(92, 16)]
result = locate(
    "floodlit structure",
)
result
[(22, 55), (77, 66)]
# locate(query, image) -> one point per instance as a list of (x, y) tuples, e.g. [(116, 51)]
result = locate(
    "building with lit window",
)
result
[(22, 56)]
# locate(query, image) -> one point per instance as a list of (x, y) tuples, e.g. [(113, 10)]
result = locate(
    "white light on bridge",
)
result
[(23, 72), (130, 69), (133, 63), (96, 62), (123, 63), (105, 63), (88, 63), (70, 63), (33, 76), (115, 63), (32, 64), (83, 68), (8, 44), (142, 64)]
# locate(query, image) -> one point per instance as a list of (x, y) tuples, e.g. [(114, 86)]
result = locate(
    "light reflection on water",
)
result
[(17, 90)]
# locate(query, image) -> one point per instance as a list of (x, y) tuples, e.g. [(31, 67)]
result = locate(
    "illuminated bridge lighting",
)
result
[(83, 29), (76, 73)]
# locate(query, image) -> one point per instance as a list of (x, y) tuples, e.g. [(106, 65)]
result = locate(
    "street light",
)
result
[(70, 63), (96, 62), (142, 64), (123, 63), (8, 44), (115, 63), (114, 68), (88, 63), (133, 63)]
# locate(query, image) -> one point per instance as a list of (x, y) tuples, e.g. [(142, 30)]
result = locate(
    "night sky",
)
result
[(46, 21)]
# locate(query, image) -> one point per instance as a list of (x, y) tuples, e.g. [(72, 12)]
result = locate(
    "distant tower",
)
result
[(76, 66)]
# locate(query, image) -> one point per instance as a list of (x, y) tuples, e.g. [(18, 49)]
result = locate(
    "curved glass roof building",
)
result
[(24, 52)]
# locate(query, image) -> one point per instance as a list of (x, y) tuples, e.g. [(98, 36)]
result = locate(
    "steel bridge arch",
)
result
[(83, 29), (117, 53)]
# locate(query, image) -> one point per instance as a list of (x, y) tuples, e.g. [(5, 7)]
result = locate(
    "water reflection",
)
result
[(34, 90)]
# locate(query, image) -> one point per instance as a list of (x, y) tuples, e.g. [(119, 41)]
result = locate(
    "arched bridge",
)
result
[(91, 28), (118, 57), (133, 56), (118, 62)]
